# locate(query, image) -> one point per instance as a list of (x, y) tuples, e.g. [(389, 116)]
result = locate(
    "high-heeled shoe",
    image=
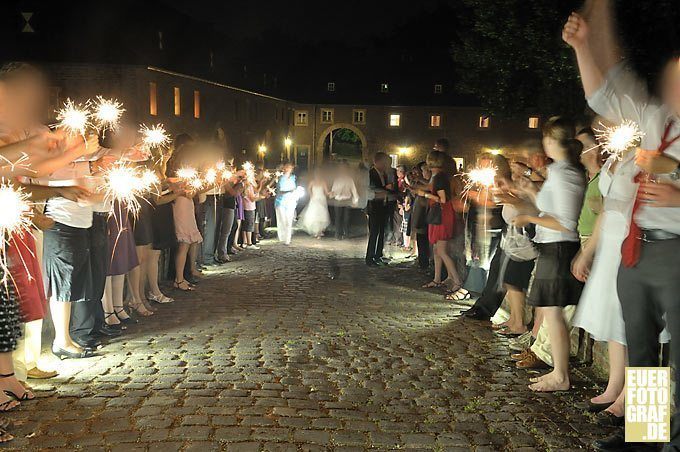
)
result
[(140, 309), (124, 320), (183, 285), (162, 299), (27, 395), (115, 326), (65, 354)]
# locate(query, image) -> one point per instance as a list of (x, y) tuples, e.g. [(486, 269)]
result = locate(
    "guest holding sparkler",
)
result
[(558, 205), (287, 196), (441, 220), (186, 230), (647, 279)]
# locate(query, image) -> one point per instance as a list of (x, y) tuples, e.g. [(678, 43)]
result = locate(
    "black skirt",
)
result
[(163, 227), (10, 316), (248, 221), (141, 224), (518, 274), (66, 257), (553, 284)]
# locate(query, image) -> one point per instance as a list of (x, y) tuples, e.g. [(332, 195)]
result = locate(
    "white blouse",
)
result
[(561, 197)]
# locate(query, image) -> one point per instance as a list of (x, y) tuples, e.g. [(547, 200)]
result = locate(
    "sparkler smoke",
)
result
[(107, 114), (154, 136), (15, 221), (74, 118), (618, 139)]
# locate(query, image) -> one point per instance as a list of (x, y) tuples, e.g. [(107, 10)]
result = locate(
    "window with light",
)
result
[(331, 87), (384, 87), (435, 121), (178, 109), (484, 122), (534, 122), (359, 116), (300, 118), (395, 120), (153, 99), (326, 116)]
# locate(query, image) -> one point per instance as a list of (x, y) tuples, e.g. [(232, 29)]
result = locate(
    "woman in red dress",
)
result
[(440, 232)]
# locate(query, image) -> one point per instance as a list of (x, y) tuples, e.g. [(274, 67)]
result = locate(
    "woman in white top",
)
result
[(559, 205)]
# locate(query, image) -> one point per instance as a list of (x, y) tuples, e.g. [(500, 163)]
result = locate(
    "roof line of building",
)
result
[(210, 82)]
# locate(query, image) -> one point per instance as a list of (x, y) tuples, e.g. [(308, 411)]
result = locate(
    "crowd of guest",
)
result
[(94, 262)]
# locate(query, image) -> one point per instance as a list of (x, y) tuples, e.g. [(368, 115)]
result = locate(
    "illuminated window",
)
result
[(435, 121), (178, 109), (153, 99), (437, 89), (384, 88), (331, 87), (484, 121), (533, 122), (359, 116), (300, 118), (197, 104), (395, 120), (326, 115)]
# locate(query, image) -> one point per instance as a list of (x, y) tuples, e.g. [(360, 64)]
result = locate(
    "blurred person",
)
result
[(377, 209), (345, 194), (314, 219), (285, 203)]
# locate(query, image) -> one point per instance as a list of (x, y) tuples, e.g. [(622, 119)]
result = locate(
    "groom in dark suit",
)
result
[(377, 209)]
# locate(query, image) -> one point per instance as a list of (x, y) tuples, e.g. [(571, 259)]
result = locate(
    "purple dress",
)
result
[(122, 251), (240, 215)]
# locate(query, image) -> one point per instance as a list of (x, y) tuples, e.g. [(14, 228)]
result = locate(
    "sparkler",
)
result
[(149, 179), (187, 173), (122, 184), (227, 174), (484, 177), (74, 118), (15, 221), (154, 136), (618, 139), (210, 176), (107, 113)]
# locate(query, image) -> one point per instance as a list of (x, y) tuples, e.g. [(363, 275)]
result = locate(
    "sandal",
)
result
[(5, 436), (183, 285), (459, 295), (431, 285), (117, 326), (140, 309), (505, 331), (125, 320), (27, 395)]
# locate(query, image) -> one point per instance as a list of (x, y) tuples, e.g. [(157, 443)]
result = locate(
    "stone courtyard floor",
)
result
[(303, 348)]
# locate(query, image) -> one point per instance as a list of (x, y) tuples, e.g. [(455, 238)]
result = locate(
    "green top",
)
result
[(592, 204)]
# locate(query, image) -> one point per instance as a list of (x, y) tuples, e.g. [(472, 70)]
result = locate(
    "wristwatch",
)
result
[(675, 174)]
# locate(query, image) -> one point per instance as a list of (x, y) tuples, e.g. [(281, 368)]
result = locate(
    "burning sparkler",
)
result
[(74, 118), (154, 136), (107, 113), (484, 177), (122, 185), (618, 139), (210, 176), (187, 173), (15, 220), (149, 179)]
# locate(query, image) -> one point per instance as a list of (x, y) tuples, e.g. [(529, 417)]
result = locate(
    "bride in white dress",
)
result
[(599, 310), (315, 218)]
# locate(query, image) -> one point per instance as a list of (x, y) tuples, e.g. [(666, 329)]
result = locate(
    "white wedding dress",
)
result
[(315, 218), (599, 309)]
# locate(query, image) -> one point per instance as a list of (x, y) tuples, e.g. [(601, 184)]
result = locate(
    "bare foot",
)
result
[(498, 326), (617, 409), (604, 398), (551, 382)]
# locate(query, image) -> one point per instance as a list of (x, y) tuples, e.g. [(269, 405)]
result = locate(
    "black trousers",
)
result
[(493, 293), (646, 292), (88, 316), (213, 218), (423, 242), (377, 219), (342, 221)]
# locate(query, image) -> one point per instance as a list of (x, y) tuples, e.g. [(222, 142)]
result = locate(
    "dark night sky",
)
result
[(352, 21)]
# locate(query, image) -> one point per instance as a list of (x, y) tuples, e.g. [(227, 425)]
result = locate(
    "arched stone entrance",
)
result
[(325, 134)]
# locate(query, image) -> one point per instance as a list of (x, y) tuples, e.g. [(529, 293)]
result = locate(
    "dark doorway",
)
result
[(342, 144)]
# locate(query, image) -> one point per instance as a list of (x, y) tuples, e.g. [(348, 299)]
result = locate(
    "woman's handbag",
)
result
[(434, 213), (517, 246)]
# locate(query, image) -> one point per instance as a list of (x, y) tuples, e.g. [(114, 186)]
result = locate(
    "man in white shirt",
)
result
[(345, 194), (648, 285)]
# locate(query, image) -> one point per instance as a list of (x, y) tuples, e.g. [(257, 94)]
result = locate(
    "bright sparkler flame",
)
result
[(107, 113), (73, 118), (187, 173), (226, 174), (15, 220), (220, 166), (210, 176), (149, 179), (486, 177), (247, 166), (154, 136), (122, 184), (618, 139), (196, 183), (267, 174)]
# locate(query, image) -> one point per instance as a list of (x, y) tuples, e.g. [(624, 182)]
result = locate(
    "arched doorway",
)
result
[(342, 141)]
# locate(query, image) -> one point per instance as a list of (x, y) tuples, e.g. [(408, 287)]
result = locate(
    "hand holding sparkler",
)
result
[(655, 163), (107, 113), (15, 220)]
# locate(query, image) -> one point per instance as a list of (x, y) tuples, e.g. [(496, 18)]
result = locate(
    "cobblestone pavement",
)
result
[(303, 348)]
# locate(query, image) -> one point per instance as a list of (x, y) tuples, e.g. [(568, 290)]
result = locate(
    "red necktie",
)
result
[(630, 251)]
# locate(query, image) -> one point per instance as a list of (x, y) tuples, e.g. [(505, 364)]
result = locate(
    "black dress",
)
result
[(10, 317), (163, 227)]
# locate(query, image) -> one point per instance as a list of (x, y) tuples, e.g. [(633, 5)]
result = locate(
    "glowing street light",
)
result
[(495, 151), (288, 142), (262, 149), (404, 150)]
